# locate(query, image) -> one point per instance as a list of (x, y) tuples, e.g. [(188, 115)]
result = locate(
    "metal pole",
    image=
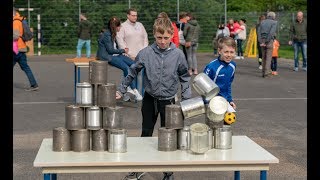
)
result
[(129, 3), (29, 12), (79, 9), (39, 35), (225, 11), (178, 9)]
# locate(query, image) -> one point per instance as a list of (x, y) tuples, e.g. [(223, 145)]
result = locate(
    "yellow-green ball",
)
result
[(229, 117)]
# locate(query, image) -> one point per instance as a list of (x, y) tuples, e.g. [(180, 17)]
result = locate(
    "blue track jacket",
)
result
[(222, 74)]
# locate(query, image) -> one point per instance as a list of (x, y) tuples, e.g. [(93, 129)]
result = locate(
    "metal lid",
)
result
[(199, 128), (83, 84)]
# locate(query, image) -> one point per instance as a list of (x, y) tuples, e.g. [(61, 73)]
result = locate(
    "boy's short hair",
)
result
[(182, 15), (227, 41), (162, 25), (131, 9)]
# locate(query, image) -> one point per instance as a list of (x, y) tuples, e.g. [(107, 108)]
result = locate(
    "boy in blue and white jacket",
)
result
[(222, 69)]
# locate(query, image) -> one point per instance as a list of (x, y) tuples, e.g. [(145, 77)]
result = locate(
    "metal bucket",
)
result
[(184, 138), (106, 95), (192, 107), (98, 72), (93, 118), (61, 139), (74, 117), (167, 139), (205, 86), (84, 94), (99, 140), (174, 117), (217, 107), (112, 117), (80, 140), (223, 137), (117, 140), (199, 143)]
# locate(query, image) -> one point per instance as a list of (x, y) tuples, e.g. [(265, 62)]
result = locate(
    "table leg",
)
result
[(75, 83), (263, 175), (237, 175), (78, 74), (47, 177), (53, 176)]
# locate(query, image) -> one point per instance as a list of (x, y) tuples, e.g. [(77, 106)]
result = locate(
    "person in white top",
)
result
[(242, 35), (134, 36)]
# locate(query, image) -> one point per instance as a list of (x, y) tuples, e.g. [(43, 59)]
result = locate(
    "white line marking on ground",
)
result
[(239, 99), (250, 99), (57, 102)]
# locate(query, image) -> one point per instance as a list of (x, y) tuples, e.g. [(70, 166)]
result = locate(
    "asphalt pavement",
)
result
[(270, 111)]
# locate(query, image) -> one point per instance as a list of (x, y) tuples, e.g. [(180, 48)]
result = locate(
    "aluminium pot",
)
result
[(184, 138), (192, 107), (199, 143), (117, 140), (205, 86), (84, 94), (217, 108), (98, 72), (93, 118), (223, 137)]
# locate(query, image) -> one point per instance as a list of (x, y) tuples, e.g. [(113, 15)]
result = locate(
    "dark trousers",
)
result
[(274, 64), (21, 59), (266, 58), (151, 107)]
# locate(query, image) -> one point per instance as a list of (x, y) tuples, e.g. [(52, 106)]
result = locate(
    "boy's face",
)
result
[(163, 40), (227, 53)]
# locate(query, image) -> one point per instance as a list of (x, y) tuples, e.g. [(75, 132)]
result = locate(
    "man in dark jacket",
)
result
[(298, 37), (266, 34), (84, 35)]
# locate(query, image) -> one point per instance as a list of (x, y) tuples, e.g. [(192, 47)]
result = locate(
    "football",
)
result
[(230, 117)]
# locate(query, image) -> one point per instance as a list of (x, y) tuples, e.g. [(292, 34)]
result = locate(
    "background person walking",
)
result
[(261, 18), (84, 35), (191, 33), (275, 54), (298, 38), (20, 56), (266, 34)]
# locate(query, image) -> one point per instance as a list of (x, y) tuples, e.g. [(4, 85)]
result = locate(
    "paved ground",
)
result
[(272, 112)]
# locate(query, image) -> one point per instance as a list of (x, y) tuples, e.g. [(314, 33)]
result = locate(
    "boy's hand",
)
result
[(233, 105), (118, 95)]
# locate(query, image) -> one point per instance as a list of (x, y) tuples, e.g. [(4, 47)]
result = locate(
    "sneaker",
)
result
[(241, 57), (304, 68), (126, 97), (275, 73), (237, 57), (295, 69), (260, 67), (190, 72), (32, 88), (168, 176), (134, 176), (138, 95), (260, 60), (131, 94)]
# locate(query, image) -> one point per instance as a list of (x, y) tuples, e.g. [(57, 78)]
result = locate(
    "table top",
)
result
[(144, 151), (82, 59)]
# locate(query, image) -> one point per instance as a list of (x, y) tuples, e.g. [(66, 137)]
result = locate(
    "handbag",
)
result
[(182, 41)]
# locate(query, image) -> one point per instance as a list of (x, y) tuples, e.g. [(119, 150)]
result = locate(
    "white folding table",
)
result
[(143, 156)]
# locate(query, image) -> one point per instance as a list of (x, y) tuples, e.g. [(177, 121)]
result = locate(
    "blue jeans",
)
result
[(21, 59), (303, 46), (124, 62), (81, 42), (192, 57), (140, 85), (239, 47)]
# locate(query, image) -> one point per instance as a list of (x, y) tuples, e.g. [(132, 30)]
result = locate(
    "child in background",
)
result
[(274, 59), (222, 69)]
